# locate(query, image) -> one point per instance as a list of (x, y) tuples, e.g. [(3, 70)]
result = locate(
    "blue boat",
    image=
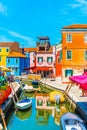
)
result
[(24, 103), (70, 121), (35, 82)]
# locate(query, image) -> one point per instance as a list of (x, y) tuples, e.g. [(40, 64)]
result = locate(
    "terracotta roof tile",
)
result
[(16, 54), (30, 49), (76, 26)]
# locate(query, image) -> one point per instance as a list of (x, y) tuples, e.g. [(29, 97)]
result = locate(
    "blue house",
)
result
[(17, 62)]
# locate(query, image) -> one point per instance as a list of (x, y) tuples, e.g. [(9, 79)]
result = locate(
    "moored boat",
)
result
[(35, 82), (24, 103), (28, 88), (70, 121)]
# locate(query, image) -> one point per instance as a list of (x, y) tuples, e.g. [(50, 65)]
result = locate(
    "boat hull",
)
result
[(24, 104), (70, 121), (35, 82)]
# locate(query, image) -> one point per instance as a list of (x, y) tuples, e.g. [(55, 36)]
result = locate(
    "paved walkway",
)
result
[(74, 93)]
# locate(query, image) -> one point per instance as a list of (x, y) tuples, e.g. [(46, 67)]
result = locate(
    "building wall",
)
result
[(77, 64), (58, 63), (18, 67), (13, 65), (3, 55), (44, 63), (24, 63), (32, 59)]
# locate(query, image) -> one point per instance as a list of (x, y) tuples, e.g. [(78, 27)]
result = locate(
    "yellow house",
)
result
[(4, 51)]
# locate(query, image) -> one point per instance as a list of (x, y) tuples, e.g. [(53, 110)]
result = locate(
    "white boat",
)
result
[(70, 121), (24, 103), (28, 88)]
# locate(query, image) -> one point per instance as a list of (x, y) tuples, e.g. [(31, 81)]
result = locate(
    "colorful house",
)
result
[(5, 49), (58, 58), (45, 57), (32, 56), (17, 62), (74, 50), (42, 58)]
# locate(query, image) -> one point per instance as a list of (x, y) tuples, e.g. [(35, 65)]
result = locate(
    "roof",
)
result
[(30, 49), (76, 26), (43, 38), (7, 44), (16, 54)]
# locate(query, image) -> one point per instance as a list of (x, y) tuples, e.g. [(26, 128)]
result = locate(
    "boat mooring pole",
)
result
[(2, 115), (13, 91)]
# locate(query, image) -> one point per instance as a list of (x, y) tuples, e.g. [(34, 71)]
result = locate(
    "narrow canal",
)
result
[(37, 119)]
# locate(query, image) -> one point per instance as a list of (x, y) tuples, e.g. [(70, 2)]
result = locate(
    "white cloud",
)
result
[(82, 1), (15, 34), (75, 5), (26, 41), (3, 9), (4, 39), (81, 5)]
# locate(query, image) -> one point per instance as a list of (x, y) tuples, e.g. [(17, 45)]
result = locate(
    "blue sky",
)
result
[(24, 20)]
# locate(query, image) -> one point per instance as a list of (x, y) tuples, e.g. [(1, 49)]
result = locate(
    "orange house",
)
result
[(74, 50)]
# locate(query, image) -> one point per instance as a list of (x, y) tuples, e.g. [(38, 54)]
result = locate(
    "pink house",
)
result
[(45, 57), (42, 58)]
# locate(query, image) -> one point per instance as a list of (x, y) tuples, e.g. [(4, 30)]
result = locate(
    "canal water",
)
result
[(33, 119)]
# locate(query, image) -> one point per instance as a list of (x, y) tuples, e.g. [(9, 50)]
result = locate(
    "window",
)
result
[(60, 54), (69, 55), (85, 38), (40, 59), (49, 59), (69, 38), (59, 60), (85, 55), (16, 69), (8, 60), (41, 48), (0, 50), (0, 59), (16, 60), (68, 72), (7, 49), (60, 57)]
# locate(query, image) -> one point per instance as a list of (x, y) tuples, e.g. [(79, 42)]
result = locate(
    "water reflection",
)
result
[(25, 114), (42, 117)]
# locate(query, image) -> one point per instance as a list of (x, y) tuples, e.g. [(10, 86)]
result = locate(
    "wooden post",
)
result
[(13, 91), (2, 115)]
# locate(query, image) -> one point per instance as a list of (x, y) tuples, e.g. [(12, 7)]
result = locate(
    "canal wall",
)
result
[(8, 105)]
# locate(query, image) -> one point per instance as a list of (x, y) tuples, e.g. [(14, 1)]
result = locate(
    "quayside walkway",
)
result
[(74, 93)]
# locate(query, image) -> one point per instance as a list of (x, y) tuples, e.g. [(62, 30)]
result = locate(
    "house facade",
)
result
[(17, 62), (45, 57), (74, 50), (58, 58), (32, 57), (5, 49)]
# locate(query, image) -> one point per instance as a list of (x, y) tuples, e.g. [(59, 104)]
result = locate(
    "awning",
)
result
[(39, 68), (81, 80), (33, 67), (44, 68)]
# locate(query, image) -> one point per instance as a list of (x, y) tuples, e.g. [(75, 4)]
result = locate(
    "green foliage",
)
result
[(3, 87)]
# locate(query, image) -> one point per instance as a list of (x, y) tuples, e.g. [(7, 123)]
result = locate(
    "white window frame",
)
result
[(67, 38), (85, 54), (85, 38)]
